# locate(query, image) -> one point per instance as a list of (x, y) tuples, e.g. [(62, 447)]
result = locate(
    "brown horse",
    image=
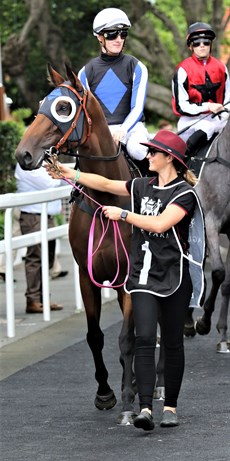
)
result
[(70, 118)]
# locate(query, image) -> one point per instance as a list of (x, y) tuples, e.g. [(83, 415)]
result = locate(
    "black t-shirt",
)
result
[(187, 202)]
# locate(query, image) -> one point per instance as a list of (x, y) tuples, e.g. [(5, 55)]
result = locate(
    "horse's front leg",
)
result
[(222, 323), (105, 398), (203, 324), (189, 324), (126, 343)]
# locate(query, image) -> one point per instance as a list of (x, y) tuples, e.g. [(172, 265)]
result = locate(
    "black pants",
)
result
[(172, 312)]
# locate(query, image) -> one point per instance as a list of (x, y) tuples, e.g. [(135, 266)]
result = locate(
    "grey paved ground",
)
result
[(61, 291), (48, 389)]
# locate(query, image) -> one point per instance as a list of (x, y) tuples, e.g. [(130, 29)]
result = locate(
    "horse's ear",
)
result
[(54, 76), (73, 78)]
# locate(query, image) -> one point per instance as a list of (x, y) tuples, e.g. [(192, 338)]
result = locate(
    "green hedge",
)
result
[(10, 134)]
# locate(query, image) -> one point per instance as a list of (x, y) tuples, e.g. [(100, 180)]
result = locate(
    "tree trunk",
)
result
[(40, 23), (144, 43)]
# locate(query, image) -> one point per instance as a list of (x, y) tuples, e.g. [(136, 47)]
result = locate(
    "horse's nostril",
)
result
[(27, 158)]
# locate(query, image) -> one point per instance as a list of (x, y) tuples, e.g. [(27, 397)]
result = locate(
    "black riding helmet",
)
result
[(199, 30)]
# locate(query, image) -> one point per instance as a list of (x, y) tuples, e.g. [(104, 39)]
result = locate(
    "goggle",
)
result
[(113, 34), (196, 43)]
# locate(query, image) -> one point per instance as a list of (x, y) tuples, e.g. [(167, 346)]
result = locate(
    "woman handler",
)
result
[(162, 209)]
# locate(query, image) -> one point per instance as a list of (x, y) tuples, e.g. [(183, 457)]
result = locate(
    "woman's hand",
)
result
[(112, 212), (60, 171)]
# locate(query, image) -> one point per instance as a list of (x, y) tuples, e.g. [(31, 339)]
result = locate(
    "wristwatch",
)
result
[(124, 215)]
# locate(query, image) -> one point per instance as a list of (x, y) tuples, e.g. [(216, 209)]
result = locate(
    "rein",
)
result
[(203, 117), (117, 238), (52, 162), (100, 157), (91, 253)]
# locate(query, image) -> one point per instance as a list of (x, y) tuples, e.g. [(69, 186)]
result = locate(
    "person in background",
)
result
[(162, 209), (17, 254), (165, 125), (30, 218), (200, 86), (118, 81), (56, 270)]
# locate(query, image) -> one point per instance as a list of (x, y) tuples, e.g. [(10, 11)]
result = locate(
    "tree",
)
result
[(59, 32)]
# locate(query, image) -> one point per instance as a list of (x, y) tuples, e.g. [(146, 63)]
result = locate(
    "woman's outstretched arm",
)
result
[(94, 181)]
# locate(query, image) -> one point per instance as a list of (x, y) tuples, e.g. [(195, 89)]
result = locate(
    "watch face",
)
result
[(124, 214)]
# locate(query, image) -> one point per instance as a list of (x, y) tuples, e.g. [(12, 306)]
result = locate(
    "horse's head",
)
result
[(59, 122)]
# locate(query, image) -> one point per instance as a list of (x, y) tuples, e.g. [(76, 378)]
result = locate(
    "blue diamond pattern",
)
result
[(55, 93), (104, 90)]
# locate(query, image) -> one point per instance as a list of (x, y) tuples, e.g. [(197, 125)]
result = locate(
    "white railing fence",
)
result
[(10, 243)]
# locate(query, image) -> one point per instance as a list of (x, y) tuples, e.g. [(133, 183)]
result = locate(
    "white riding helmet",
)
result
[(110, 18)]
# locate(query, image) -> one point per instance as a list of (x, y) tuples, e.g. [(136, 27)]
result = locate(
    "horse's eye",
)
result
[(63, 109)]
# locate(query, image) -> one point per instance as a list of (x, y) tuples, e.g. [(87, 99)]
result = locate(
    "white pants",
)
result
[(209, 125), (132, 140)]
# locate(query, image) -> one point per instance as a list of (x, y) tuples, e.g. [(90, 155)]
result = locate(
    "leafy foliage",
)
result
[(2, 214), (61, 32), (10, 135)]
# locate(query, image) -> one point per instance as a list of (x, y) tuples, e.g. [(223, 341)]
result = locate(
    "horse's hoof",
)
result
[(201, 327), (105, 402), (126, 418), (159, 393), (189, 331), (223, 347)]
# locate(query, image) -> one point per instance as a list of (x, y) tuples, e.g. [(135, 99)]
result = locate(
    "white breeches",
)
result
[(208, 125), (132, 140)]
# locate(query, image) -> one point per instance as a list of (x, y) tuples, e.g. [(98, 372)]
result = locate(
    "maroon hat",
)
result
[(170, 143)]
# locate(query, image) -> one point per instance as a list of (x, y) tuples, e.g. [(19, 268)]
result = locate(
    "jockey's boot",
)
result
[(195, 142)]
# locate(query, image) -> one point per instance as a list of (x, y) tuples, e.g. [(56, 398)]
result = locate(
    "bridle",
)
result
[(55, 150), (82, 107), (51, 156)]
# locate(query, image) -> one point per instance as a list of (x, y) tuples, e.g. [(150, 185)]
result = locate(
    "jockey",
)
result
[(118, 81), (200, 86)]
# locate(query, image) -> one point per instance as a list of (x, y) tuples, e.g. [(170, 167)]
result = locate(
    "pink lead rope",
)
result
[(117, 236)]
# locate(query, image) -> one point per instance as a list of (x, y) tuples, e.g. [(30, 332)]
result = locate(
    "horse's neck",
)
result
[(101, 144), (111, 163), (225, 137), (221, 144)]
